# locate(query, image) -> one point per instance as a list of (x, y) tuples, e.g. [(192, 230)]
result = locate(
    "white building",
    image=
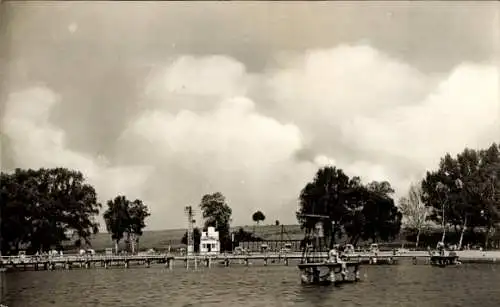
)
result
[(209, 242)]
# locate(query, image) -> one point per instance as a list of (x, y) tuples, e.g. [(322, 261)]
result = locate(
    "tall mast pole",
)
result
[(281, 237), (190, 239)]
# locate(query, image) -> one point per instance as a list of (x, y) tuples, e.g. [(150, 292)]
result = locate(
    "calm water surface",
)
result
[(399, 285)]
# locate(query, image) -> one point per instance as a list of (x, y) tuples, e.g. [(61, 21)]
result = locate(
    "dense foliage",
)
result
[(196, 239), (125, 219), (345, 206), (258, 217), (40, 209), (217, 213), (464, 193)]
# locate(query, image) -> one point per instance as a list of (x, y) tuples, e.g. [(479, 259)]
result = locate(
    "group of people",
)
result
[(335, 256)]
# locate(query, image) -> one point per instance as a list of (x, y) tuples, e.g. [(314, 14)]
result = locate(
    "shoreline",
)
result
[(384, 257), (468, 254)]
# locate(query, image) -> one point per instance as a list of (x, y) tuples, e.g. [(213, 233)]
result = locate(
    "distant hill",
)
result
[(161, 239)]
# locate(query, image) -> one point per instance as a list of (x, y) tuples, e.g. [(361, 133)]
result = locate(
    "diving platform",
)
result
[(444, 260), (329, 272)]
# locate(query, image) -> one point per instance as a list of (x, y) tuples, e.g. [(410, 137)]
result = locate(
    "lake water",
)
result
[(259, 286)]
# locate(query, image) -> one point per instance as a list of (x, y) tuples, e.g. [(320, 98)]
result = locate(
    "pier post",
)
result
[(67, 265), (414, 260), (246, 261), (105, 264), (226, 262), (87, 264), (169, 263), (52, 266), (195, 263), (186, 263), (356, 273), (45, 266), (343, 271), (286, 261), (126, 264), (332, 275), (148, 263), (265, 261)]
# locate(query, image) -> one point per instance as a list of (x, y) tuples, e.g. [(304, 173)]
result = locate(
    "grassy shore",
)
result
[(161, 239)]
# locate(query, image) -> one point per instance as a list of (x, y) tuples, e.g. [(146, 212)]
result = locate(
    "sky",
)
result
[(167, 101)]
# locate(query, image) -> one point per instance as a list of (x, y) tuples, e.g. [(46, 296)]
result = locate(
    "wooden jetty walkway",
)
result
[(170, 261), (88, 261)]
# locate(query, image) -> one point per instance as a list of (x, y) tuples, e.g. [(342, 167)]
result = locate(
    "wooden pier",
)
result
[(170, 261)]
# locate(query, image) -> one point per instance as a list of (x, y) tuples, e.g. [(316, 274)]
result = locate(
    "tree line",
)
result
[(462, 197), (46, 208), (347, 207)]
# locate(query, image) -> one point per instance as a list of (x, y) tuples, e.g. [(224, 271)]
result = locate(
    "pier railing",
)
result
[(158, 257), (29, 259)]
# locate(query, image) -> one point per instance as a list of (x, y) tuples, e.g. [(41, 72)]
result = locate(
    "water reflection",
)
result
[(399, 285), (3, 286)]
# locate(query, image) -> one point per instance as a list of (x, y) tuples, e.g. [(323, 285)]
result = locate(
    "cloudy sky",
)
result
[(168, 101)]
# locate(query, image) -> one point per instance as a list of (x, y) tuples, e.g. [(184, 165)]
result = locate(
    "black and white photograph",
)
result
[(249, 153)]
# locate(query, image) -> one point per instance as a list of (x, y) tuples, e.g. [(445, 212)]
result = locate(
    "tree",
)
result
[(373, 214), (196, 239), (463, 192), (414, 210), (323, 200), (277, 222), (125, 219), (217, 213), (138, 212), (389, 220), (41, 208), (117, 218), (489, 174), (344, 204), (258, 217)]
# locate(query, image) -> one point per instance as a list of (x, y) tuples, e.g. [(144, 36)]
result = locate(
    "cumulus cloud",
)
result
[(195, 83), (463, 110), (208, 125), (383, 119), (233, 149), (37, 143)]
